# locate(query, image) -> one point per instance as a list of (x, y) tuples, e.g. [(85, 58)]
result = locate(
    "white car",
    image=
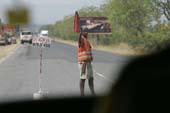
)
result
[(44, 33)]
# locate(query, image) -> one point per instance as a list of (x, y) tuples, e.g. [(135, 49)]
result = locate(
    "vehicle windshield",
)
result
[(88, 44), (26, 33), (44, 34)]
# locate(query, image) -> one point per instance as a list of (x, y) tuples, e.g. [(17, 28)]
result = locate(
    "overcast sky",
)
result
[(49, 11)]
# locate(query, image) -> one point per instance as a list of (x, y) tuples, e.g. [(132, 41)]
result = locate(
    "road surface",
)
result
[(19, 72)]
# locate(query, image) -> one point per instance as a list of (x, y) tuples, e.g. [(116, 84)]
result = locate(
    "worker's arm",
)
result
[(91, 53), (84, 67)]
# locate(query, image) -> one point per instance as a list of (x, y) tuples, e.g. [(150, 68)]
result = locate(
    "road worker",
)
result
[(84, 60)]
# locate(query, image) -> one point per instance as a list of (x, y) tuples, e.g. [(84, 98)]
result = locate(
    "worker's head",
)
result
[(84, 34)]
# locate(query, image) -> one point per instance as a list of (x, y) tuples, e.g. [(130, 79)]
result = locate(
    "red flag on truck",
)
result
[(76, 23)]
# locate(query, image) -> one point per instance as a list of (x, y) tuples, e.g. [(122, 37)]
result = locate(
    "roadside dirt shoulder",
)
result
[(120, 49), (8, 49)]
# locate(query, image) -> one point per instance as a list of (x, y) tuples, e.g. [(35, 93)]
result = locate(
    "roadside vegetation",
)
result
[(141, 24)]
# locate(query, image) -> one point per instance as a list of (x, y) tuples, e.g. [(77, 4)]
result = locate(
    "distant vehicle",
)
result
[(26, 36), (3, 40), (44, 33), (9, 39), (6, 32), (14, 40)]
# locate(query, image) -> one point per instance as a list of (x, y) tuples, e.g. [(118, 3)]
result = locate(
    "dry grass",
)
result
[(120, 49), (6, 50), (69, 42)]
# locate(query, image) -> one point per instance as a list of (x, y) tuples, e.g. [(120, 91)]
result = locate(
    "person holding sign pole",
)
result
[(84, 60)]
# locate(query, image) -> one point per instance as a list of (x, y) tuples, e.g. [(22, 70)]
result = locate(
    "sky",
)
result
[(48, 11)]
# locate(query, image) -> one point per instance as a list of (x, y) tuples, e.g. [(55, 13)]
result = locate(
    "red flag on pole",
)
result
[(76, 23)]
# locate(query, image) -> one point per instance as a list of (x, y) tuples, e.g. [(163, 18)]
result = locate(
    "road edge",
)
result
[(10, 53)]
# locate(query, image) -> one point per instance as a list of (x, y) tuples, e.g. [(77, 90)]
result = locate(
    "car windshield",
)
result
[(44, 34), (87, 44)]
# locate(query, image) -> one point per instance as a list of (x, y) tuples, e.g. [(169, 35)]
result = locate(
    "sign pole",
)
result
[(40, 94), (40, 75)]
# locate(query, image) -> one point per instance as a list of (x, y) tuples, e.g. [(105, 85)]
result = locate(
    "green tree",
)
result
[(164, 7), (131, 16), (131, 20)]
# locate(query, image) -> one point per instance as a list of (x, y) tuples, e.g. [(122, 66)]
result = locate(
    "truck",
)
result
[(26, 36)]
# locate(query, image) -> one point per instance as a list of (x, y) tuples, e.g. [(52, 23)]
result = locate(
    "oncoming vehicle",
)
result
[(8, 37), (14, 40), (26, 36)]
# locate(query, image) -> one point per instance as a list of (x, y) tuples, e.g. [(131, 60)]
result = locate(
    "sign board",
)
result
[(41, 41), (95, 25)]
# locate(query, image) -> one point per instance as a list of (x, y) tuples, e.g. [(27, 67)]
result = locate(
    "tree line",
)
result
[(138, 23)]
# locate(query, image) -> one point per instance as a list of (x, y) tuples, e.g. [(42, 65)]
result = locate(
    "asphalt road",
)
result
[(19, 72)]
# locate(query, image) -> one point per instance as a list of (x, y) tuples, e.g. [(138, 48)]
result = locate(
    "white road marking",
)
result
[(101, 75), (3, 59)]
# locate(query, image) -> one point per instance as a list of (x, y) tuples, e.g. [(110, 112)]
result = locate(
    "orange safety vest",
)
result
[(85, 53)]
